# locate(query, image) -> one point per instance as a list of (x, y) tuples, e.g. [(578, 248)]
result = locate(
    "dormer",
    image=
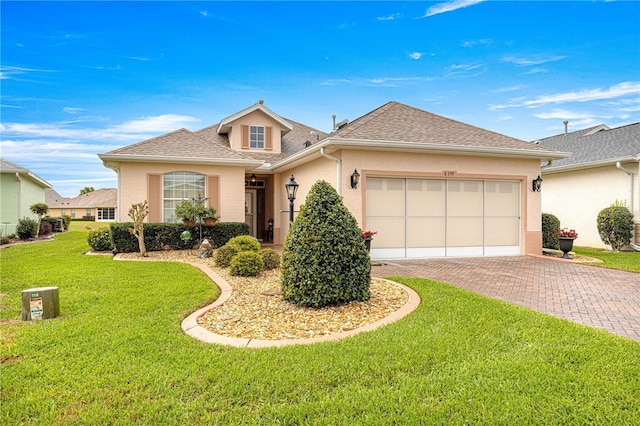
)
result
[(255, 129)]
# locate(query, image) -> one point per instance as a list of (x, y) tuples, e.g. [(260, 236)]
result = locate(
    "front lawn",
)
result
[(117, 356), (627, 261)]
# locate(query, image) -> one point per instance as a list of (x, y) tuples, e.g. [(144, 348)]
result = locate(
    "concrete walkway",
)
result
[(598, 297)]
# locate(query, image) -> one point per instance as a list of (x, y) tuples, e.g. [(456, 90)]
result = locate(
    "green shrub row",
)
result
[(166, 236), (100, 239)]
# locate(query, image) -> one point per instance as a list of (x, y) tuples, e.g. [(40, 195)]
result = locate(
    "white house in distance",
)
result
[(603, 169), (430, 186)]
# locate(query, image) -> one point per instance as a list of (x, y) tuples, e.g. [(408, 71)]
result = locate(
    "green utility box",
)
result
[(40, 303)]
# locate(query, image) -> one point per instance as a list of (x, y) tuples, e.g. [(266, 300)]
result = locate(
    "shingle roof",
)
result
[(7, 166), (103, 197), (182, 143), (596, 144), (398, 122)]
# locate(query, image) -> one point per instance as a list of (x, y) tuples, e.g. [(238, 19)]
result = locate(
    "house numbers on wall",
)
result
[(449, 173)]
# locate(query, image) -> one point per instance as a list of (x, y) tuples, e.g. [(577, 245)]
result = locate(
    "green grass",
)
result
[(628, 261), (117, 356)]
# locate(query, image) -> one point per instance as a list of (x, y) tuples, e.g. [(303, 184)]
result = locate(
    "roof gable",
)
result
[(227, 123), (7, 166), (103, 197)]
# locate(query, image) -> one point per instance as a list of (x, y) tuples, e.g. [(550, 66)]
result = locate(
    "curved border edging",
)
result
[(191, 327)]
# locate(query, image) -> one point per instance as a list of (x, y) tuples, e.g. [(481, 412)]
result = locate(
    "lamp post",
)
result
[(292, 188)]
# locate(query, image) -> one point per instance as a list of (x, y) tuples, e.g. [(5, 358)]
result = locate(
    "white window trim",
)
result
[(256, 133)]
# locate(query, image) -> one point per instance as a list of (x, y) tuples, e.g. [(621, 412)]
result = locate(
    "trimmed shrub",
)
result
[(325, 261), (166, 236), (550, 225), (100, 239), (224, 255), (27, 228), (244, 243), (246, 264), (615, 226), (270, 258), (67, 221)]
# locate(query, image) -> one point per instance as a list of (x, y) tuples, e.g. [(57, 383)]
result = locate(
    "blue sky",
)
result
[(82, 78)]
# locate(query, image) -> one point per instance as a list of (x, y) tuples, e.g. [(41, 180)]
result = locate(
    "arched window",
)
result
[(180, 186)]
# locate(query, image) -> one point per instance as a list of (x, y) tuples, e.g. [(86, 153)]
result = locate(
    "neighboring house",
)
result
[(98, 205), (602, 170), (429, 185), (19, 190)]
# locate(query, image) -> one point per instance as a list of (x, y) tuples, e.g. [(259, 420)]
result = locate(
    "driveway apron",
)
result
[(589, 295)]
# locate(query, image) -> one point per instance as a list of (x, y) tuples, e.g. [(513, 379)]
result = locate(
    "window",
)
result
[(87, 212), (63, 212), (73, 213), (180, 186), (256, 137), (106, 213)]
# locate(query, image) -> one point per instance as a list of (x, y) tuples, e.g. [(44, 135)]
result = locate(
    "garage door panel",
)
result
[(502, 231), (391, 232), (464, 198), (464, 231), (425, 232), (385, 197), (426, 197), (502, 199)]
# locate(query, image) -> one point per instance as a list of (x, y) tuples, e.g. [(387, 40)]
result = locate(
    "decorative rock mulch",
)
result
[(256, 310)]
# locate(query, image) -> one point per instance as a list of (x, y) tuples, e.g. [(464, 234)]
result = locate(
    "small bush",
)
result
[(27, 228), (245, 243), (615, 226), (270, 258), (224, 255), (100, 239), (246, 264), (550, 225), (5, 240), (67, 220)]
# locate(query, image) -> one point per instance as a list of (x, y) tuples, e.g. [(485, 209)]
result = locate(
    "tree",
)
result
[(325, 261), (86, 190), (138, 212), (40, 209)]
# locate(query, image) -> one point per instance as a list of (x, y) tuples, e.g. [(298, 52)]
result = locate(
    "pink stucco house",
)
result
[(430, 186)]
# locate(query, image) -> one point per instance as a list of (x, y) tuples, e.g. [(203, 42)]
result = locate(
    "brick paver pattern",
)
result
[(594, 296)]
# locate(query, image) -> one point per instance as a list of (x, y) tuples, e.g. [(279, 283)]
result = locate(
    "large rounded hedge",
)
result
[(615, 226), (324, 259)]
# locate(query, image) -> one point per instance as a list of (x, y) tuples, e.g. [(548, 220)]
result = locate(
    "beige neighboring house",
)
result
[(99, 205), (603, 169), (430, 186)]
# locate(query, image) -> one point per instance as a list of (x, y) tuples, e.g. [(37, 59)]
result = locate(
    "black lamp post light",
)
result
[(355, 178), (536, 184), (292, 188)]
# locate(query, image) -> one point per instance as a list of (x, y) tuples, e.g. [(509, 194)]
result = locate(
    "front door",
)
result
[(250, 211)]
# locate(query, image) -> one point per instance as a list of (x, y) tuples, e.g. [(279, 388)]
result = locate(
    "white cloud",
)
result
[(204, 13), (138, 58), (450, 6), (71, 110), (620, 90), (564, 114), (390, 17), (7, 72), (527, 62), (415, 55), (507, 89), (471, 43)]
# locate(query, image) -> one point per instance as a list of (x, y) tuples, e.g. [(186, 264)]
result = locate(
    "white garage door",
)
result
[(418, 218)]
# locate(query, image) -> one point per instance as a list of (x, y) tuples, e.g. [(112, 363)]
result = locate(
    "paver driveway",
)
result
[(598, 297)]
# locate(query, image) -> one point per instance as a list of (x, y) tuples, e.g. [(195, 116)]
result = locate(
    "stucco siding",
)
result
[(17, 197), (577, 197), (231, 181), (255, 118)]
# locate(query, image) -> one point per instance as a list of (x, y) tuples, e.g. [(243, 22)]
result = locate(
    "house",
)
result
[(98, 205), (602, 170), (429, 185), (19, 190)]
